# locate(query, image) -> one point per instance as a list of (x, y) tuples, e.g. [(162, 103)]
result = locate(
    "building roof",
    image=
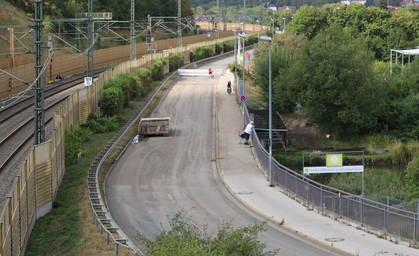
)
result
[(408, 52)]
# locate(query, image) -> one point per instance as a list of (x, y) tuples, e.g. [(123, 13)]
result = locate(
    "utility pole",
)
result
[(90, 38), (133, 54), (12, 46), (39, 110), (179, 23), (217, 29), (148, 37)]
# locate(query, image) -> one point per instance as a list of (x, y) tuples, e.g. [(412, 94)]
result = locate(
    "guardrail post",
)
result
[(415, 223), (107, 237), (362, 209), (386, 213), (101, 229), (116, 248), (340, 205)]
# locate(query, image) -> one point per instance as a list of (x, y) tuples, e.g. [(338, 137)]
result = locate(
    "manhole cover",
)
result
[(245, 193), (334, 239)]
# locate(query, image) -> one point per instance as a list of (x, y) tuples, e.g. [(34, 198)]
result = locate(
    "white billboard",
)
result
[(333, 169)]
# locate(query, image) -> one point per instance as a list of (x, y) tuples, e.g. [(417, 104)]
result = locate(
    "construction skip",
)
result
[(154, 126)]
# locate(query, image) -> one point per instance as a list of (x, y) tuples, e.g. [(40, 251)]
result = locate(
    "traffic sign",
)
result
[(243, 98)]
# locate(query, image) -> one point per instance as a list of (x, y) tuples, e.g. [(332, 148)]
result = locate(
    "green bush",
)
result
[(412, 179), (218, 48), (157, 69), (100, 125), (111, 101), (192, 56), (407, 118), (130, 86), (74, 143), (251, 40), (228, 46), (203, 52), (185, 238), (401, 155), (144, 75), (175, 61)]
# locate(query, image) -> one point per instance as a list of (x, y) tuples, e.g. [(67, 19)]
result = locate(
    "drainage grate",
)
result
[(334, 240)]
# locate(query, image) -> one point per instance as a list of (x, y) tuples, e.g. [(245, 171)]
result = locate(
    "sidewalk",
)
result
[(241, 175)]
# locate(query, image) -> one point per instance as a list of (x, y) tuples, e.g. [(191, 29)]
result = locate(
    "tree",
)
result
[(111, 101), (382, 4), (308, 21), (283, 55), (335, 83), (185, 238)]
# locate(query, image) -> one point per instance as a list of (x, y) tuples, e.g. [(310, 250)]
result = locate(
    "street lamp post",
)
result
[(269, 39), (242, 35), (235, 57)]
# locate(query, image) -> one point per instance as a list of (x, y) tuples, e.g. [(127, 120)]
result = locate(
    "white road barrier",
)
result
[(199, 72)]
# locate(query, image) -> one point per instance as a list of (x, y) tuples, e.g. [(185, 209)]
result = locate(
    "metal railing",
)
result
[(382, 217), (102, 216)]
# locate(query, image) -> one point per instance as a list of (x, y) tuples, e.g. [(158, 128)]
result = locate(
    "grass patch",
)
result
[(69, 228)]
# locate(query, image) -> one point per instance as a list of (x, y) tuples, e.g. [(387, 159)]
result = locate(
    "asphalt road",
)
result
[(160, 176)]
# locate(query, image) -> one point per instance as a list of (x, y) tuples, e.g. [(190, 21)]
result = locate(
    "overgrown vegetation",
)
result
[(201, 53), (157, 69), (185, 238), (75, 139), (333, 66), (175, 61)]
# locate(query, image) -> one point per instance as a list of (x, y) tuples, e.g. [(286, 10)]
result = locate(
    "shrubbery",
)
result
[(201, 53), (218, 49), (228, 46), (412, 179), (74, 143), (130, 86), (157, 69), (185, 238), (111, 101), (144, 75), (99, 125), (175, 61)]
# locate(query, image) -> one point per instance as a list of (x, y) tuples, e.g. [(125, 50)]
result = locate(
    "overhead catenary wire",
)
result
[(30, 86)]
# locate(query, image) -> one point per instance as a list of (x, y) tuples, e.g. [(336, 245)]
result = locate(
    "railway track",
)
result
[(17, 118)]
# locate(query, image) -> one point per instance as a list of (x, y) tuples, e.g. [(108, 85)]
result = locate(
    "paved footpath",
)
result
[(248, 183)]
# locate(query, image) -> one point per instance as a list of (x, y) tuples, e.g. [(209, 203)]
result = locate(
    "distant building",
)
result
[(284, 8), (393, 8), (348, 2), (410, 3)]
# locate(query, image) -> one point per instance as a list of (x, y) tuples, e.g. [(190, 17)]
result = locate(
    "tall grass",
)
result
[(378, 183)]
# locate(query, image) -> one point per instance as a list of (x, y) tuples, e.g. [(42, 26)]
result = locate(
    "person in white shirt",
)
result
[(248, 132)]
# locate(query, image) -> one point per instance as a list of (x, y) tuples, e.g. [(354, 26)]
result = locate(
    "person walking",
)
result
[(210, 72), (247, 132)]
